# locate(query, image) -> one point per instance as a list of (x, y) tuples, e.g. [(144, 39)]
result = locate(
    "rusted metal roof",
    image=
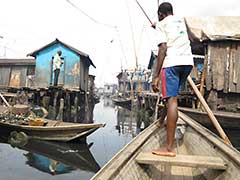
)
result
[(56, 41), (18, 61), (214, 28)]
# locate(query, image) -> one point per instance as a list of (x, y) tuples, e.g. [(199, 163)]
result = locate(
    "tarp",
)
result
[(213, 28)]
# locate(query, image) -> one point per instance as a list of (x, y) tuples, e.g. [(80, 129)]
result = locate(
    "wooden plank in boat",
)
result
[(183, 160)]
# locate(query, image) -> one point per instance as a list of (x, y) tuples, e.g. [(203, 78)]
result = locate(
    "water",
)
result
[(232, 134), (41, 160)]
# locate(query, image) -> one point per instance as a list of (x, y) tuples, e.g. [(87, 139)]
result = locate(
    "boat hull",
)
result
[(225, 119), (197, 141), (53, 131)]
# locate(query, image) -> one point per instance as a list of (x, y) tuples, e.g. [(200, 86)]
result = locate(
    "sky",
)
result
[(115, 33)]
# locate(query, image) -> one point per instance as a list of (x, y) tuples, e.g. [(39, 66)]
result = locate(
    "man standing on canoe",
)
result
[(174, 62)]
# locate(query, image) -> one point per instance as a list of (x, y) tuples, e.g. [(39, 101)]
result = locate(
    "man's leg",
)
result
[(172, 116), (170, 83), (56, 74)]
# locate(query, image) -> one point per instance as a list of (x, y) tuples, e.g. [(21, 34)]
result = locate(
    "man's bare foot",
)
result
[(164, 152)]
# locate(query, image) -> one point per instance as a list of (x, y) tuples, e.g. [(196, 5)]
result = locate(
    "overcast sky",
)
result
[(114, 33)]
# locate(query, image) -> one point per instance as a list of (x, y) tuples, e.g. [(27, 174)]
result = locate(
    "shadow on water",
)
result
[(53, 157)]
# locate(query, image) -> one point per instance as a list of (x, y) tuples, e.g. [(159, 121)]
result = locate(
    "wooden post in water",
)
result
[(209, 112), (60, 112), (76, 108), (45, 102), (55, 104), (68, 106)]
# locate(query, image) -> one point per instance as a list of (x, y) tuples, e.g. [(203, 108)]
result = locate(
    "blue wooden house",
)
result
[(74, 71)]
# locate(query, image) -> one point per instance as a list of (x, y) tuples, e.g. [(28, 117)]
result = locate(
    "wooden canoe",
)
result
[(200, 155), (53, 130), (226, 119)]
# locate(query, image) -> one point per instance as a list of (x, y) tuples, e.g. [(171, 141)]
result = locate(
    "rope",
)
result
[(88, 16)]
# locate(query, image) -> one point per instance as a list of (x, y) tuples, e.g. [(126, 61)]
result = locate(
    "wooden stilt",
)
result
[(60, 113), (75, 108)]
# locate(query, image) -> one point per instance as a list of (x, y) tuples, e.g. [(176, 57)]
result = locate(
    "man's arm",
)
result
[(160, 58)]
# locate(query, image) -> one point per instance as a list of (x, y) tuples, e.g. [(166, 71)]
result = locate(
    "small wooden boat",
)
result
[(226, 119), (53, 130), (200, 155)]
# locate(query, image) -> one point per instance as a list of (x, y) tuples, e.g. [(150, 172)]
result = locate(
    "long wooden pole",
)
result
[(144, 12), (203, 75), (209, 112)]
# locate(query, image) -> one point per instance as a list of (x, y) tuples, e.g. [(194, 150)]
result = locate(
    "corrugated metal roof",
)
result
[(56, 41), (214, 28), (19, 61)]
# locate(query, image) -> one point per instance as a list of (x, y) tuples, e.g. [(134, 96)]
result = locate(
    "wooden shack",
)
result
[(74, 71), (17, 72), (138, 79), (123, 81), (218, 39)]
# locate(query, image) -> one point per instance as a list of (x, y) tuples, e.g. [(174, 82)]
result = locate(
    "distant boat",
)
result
[(53, 130), (200, 155)]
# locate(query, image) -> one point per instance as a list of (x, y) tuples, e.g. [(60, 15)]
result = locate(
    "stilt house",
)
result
[(218, 39), (74, 71)]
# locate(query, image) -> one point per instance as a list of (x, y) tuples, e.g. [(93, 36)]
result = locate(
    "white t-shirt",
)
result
[(57, 62), (172, 30)]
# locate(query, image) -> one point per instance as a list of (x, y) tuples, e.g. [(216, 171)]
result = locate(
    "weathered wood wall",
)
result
[(5, 75), (223, 67), (15, 76)]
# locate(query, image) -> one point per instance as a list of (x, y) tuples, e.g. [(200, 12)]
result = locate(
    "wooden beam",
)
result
[(183, 160)]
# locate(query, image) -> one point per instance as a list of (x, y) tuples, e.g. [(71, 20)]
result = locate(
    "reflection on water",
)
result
[(49, 157), (107, 102), (127, 122), (121, 127), (60, 157), (47, 165)]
